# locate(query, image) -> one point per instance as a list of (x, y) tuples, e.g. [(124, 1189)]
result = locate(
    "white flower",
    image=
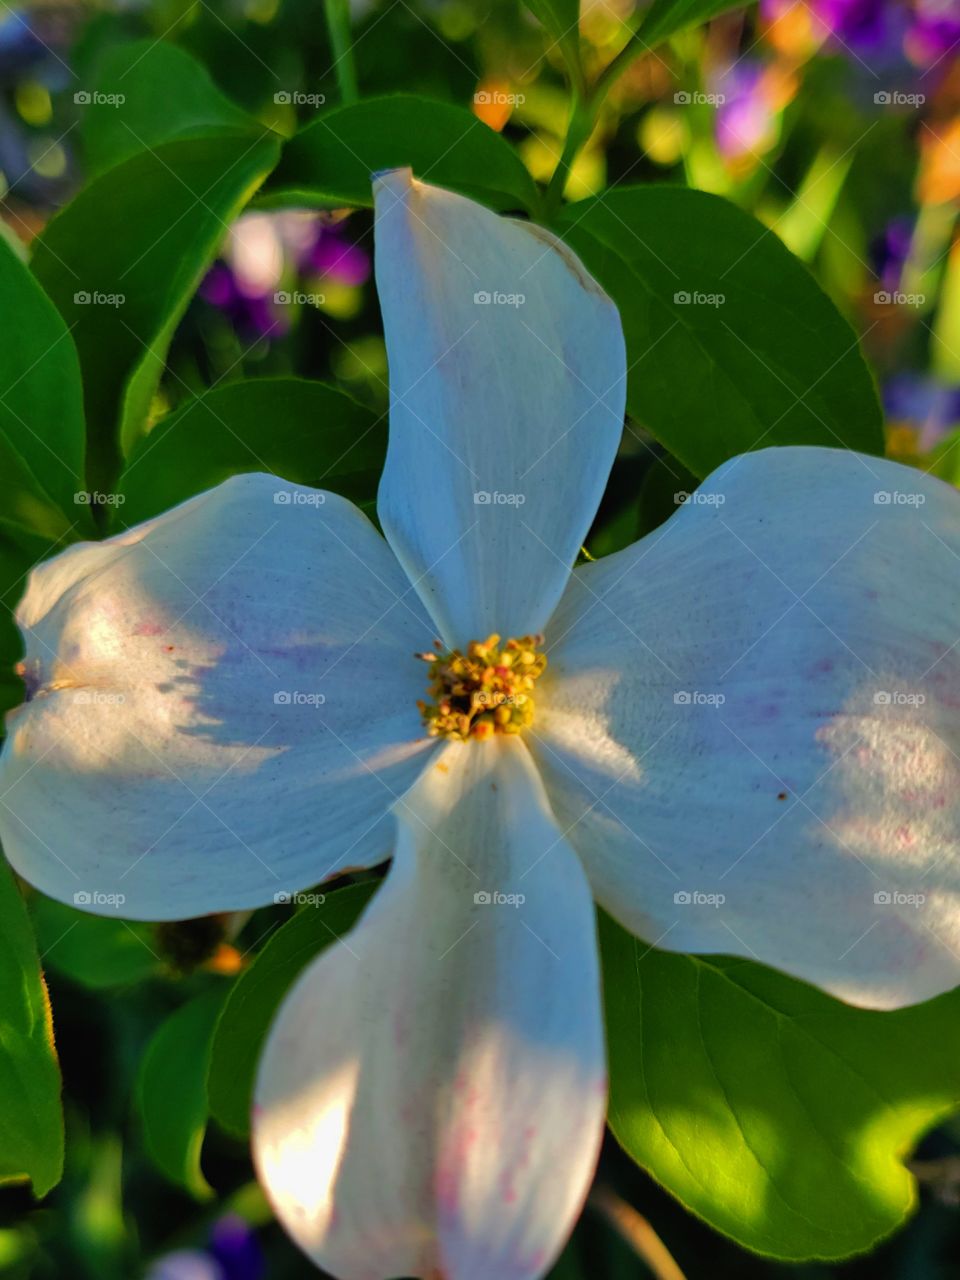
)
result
[(709, 753)]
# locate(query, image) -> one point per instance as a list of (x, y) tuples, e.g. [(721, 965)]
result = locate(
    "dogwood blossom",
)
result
[(738, 735)]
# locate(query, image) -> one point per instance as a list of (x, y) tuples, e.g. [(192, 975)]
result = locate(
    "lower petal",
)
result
[(432, 1095), (751, 724)]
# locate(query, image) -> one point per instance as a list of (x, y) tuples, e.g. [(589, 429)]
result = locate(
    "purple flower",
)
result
[(745, 119), (931, 407), (337, 259), (889, 251), (934, 31), (233, 1253), (237, 1249)]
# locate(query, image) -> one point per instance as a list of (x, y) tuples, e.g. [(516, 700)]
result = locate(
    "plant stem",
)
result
[(578, 131), (583, 118), (338, 25)]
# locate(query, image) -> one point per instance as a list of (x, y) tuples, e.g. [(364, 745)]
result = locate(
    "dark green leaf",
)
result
[(41, 407), (330, 162), (306, 432), (778, 1114), (31, 1118), (257, 993), (149, 92), (172, 1091), (123, 259), (96, 951), (756, 356), (666, 17)]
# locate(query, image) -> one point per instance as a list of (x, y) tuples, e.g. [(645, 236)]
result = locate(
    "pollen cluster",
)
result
[(484, 691)]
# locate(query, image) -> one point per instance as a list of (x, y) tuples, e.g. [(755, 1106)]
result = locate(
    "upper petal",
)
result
[(431, 1098), (221, 705), (751, 720), (507, 385)]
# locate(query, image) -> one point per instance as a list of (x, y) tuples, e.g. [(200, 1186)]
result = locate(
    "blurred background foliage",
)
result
[(836, 123)]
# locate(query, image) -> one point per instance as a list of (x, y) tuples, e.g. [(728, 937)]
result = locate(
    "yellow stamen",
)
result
[(482, 692)]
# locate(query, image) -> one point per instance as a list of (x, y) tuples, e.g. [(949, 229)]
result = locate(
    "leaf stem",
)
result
[(338, 25)]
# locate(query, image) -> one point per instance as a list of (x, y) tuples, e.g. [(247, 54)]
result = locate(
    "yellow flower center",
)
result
[(486, 690)]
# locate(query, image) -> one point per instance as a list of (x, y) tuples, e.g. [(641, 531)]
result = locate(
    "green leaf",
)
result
[(331, 160), (776, 1113), (149, 92), (41, 407), (257, 993), (759, 356), (172, 1091), (665, 18), (95, 951), (123, 259), (31, 1117), (307, 432)]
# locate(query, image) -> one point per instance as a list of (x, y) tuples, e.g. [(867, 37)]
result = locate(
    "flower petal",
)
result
[(751, 723), (431, 1098), (223, 706), (507, 385)]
